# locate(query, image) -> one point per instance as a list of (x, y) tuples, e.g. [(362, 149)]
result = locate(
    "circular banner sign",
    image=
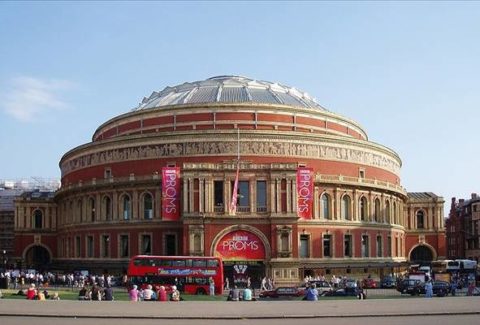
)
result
[(240, 245)]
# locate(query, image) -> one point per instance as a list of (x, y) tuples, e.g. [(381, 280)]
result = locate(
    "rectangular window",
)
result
[(78, 248), (90, 246), (304, 246), (124, 246), (327, 248), (361, 173), (105, 246), (397, 246), (347, 244), (379, 246), (170, 247), (365, 246), (285, 247), (218, 196), (389, 246), (146, 245), (243, 196), (261, 196)]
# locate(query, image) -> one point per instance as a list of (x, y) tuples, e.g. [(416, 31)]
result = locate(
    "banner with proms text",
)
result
[(171, 193), (304, 192)]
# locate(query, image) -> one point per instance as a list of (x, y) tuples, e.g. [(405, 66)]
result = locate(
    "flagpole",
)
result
[(238, 145), (233, 203)]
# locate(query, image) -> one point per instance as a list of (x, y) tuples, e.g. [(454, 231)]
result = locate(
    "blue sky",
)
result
[(408, 72)]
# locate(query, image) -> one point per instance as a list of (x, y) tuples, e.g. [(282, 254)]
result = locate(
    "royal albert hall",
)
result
[(314, 195)]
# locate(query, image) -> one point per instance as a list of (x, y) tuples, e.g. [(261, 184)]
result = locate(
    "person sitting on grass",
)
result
[(31, 292), (83, 294)]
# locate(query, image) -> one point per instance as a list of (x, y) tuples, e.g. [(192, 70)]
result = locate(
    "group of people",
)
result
[(149, 294), (32, 293), (96, 293), (235, 294), (20, 277)]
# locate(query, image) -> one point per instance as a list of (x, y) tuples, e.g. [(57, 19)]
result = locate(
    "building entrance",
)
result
[(244, 273), (37, 257)]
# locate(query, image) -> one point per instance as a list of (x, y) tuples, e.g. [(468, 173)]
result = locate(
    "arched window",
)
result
[(387, 212), (420, 220), (91, 206), (147, 206), (71, 215), (395, 213), (38, 219), (325, 206), (79, 211), (107, 208), (345, 208), (363, 209), (376, 215), (126, 207)]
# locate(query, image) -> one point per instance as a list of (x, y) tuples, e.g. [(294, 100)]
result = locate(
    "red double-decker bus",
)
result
[(190, 274)]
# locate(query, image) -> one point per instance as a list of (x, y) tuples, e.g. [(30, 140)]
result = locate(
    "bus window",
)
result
[(165, 263), (176, 263), (212, 263), (199, 263)]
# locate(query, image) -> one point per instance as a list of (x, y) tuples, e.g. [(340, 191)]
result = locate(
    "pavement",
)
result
[(242, 310)]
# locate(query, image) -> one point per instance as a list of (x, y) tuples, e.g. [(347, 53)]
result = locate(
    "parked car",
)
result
[(408, 286), (322, 286), (282, 292), (350, 283), (344, 292), (369, 283), (388, 282), (440, 288)]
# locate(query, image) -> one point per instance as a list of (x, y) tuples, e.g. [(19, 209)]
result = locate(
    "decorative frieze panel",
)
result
[(263, 147)]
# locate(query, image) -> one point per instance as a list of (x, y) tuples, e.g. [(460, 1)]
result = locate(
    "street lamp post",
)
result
[(4, 260)]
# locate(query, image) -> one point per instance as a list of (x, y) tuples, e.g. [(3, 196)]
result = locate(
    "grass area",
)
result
[(119, 295)]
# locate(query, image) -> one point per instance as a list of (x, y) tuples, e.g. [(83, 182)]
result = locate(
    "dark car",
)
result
[(387, 282), (439, 288), (282, 292), (408, 286), (369, 283), (344, 292)]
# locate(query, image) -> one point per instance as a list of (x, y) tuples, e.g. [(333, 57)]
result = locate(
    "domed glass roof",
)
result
[(229, 89)]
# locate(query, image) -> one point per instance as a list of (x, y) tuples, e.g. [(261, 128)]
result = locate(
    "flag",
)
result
[(233, 204)]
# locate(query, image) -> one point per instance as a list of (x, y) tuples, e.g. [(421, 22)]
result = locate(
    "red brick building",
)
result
[(347, 214), (463, 229)]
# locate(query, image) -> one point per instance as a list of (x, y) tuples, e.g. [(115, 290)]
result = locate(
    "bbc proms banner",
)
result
[(171, 193), (304, 192)]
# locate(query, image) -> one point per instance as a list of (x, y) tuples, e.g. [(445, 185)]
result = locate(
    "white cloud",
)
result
[(27, 98)]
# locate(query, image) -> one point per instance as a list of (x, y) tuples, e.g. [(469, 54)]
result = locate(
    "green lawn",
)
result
[(119, 295)]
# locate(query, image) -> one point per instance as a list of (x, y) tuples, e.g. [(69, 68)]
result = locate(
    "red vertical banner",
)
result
[(304, 192), (233, 204), (171, 193)]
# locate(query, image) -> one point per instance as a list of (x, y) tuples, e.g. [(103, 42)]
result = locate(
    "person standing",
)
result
[(227, 284), (428, 289), (312, 293), (211, 286)]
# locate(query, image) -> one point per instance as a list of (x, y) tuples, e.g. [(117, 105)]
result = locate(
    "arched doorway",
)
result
[(421, 254), (37, 257), (244, 253)]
